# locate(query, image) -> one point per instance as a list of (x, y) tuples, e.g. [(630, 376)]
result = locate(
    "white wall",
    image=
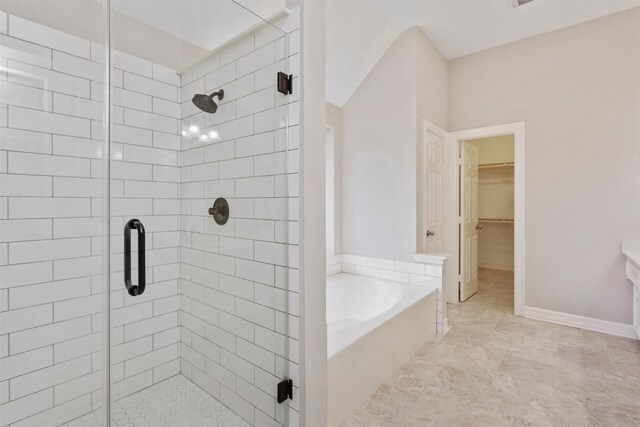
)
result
[(432, 83), (380, 146), (495, 246), (578, 91), (334, 119), (378, 200)]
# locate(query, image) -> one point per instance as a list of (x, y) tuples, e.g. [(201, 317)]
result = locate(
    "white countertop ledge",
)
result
[(631, 249), (633, 257), (431, 257)]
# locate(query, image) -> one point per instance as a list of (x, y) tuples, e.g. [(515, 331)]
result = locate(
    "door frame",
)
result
[(330, 184), (453, 142)]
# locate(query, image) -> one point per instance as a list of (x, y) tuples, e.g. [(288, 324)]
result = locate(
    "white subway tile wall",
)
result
[(145, 176), (221, 304), (238, 281), (50, 226)]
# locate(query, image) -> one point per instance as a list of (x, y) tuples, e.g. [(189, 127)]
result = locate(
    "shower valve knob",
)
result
[(220, 211)]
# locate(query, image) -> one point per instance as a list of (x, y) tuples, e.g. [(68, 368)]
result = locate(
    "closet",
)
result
[(496, 202)]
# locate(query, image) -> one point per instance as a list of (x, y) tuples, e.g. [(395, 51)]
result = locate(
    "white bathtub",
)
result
[(373, 327)]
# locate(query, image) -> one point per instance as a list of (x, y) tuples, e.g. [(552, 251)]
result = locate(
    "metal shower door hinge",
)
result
[(285, 390), (285, 83)]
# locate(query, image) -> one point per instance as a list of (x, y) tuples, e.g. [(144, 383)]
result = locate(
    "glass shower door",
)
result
[(183, 213), (52, 215), (145, 238), (204, 250)]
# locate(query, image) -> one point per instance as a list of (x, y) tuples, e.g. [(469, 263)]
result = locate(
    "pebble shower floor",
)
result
[(176, 402)]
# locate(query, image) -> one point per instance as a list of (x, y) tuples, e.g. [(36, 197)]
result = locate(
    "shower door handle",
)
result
[(138, 289)]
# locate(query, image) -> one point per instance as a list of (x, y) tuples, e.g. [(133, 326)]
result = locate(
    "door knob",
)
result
[(430, 233), (478, 227)]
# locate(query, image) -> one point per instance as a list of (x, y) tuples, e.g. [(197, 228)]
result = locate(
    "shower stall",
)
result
[(149, 222)]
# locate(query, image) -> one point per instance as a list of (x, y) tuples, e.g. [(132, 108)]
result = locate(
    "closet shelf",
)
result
[(496, 220), (496, 165)]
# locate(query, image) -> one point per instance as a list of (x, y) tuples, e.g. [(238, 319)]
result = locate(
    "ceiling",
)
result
[(359, 31), (173, 33), (181, 32), (208, 24)]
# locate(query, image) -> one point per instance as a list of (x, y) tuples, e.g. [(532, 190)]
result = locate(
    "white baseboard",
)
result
[(445, 326), (581, 322), (496, 267)]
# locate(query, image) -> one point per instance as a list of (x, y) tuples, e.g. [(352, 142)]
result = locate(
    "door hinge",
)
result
[(285, 83), (285, 390)]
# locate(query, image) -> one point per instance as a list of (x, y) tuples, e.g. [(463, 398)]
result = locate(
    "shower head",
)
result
[(206, 102)]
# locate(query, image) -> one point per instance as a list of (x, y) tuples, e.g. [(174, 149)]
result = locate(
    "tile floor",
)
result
[(494, 369), (176, 402)]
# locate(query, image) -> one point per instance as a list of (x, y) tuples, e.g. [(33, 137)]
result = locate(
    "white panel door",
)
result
[(469, 217), (434, 204)]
